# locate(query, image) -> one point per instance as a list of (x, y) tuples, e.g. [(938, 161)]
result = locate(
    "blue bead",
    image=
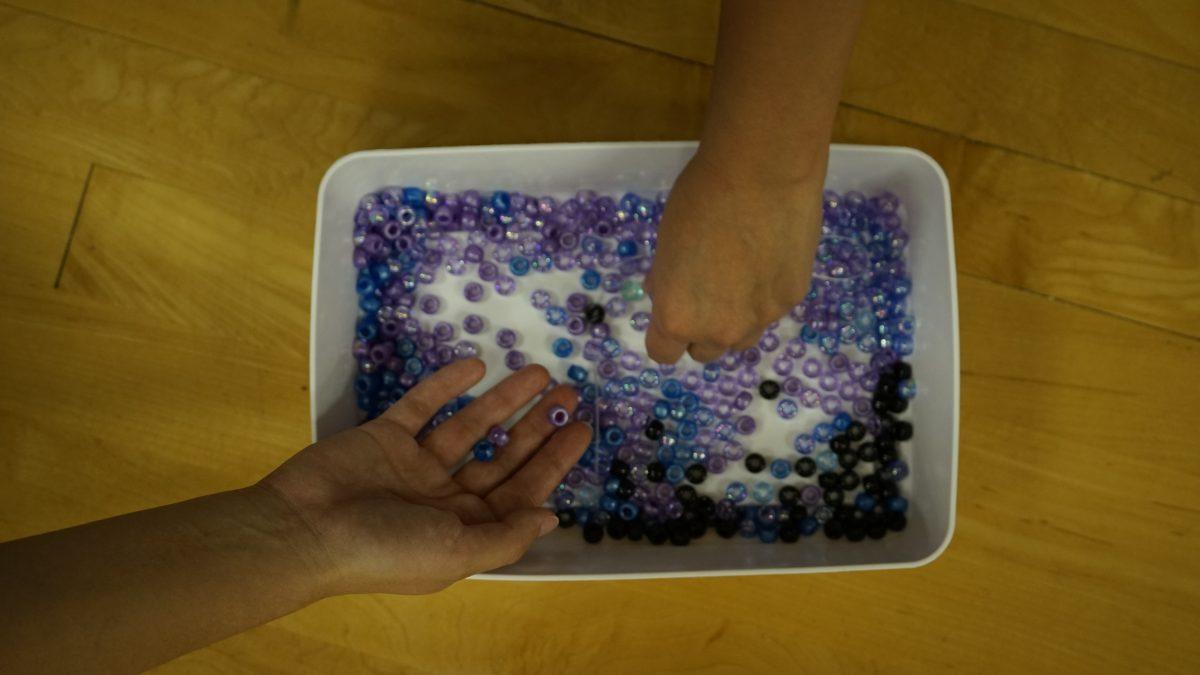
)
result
[(577, 373), (808, 526), (405, 347), (484, 451), (907, 389), (629, 385), (675, 473), (380, 272), (687, 430), (367, 329), (613, 436), (563, 348), (864, 502), (627, 248), (768, 534), (612, 485), (665, 454), (822, 432), (519, 266), (897, 504), (690, 401), (649, 378), (808, 334), (780, 468), (590, 280), (388, 380), (583, 515), (704, 416), (826, 461), (366, 383), (589, 392), (369, 304), (556, 316), (762, 492), (588, 457), (612, 389), (627, 510), (712, 372), (501, 201), (662, 409), (609, 503), (842, 421), (414, 366), (365, 284), (414, 197), (672, 388), (365, 402)]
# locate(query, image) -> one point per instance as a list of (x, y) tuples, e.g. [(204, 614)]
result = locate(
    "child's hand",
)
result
[(387, 514), (734, 254)]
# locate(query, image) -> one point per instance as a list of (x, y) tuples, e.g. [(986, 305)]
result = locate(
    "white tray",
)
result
[(646, 168)]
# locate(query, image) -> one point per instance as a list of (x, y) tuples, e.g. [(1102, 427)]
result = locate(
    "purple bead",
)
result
[(498, 436), (558, 416), (514, 360), (742, 400), (831, 405), (505, 285), (751, 357), (576, 325), (746, 425), (600, 331), (473, 291), (811, 367), (792, 386), (430, 304), (631, 360), (810, 495), (443, 332), (848, 390), (488, 271), (466, 350), (795, 348), (473, 324), (540, 298), (673, 509), (732, 451), (729, 361), (727, 386), (839, 362), (769, 342), (747, 378), (506, 338), (827, 382), (783, 366), (608, 369), (640, 321), (577, 302)]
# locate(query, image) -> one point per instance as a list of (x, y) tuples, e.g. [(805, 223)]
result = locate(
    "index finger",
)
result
[(660, 346), (415, 408)]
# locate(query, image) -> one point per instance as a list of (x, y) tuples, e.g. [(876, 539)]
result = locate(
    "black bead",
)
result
[(799, 512), (848, 480), (856, 431), (886, 388), (706, 507), (636, 530), (696, 474), (901, 370), (876, 530), (768, 389), (805, 467), (833, 529), (677, 532), (594, 314), (897, 405), (834, 497), (617, 529), (871, 484), (789, 533), (726, 528), (839, 443), (686, 494), (755, 462), (654, 429), (566, 518), (656, 534), (625, 488), (897, 521), (845, 513), (655, 472), (697, 528), (855, 531), (879, 405), (847, 460), (866, 452), (828, 480), (788, 495), (888, 490), (619, 469), (903, 430), (886, 456), (593, 533)]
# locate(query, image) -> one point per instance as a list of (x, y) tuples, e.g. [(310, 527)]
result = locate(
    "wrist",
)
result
[(310, 569), (784, 171)]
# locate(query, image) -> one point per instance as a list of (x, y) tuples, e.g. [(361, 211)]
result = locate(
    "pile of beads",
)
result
[(660, 431)]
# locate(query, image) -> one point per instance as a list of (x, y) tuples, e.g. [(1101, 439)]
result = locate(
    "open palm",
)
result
[(386, 510)]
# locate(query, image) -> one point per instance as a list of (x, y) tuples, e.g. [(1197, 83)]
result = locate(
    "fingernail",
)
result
[(548, 524)]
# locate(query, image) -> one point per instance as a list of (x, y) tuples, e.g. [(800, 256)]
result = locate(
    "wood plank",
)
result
[(1043, 235), (1168, 29), (40, 197), (1010, 83)]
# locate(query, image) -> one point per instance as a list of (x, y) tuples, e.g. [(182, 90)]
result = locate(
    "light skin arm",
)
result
[(737, 239), (373, 509)]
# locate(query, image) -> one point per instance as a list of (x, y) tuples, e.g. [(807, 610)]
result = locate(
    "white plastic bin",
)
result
[(646, 168)]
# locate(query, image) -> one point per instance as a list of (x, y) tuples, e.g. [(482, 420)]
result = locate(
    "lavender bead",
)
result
[(443, 332), (576, 325), (795, 348), (488, 271), (577, 302), (783, 366), (430, 304), (640, 321), (514, 360), (743, 400), (746, 425), (558, 416), (466, 350), (631, 361), (498, 436), (473, 324), (540, 298), (505, 285), (811, 367), (827, 382), (506, 338), (747, 378)]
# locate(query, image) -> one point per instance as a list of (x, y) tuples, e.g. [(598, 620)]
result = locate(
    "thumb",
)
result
[(487, 546)]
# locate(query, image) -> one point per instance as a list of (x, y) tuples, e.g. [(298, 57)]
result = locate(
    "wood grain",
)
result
[(1031, 238), (171, 360), (1168, 29)]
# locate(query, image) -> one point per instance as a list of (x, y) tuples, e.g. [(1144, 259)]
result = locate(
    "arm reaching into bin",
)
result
[(372, 509), (737, 239)]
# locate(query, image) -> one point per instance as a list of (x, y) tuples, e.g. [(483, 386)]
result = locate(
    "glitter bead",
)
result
[(762, 492), (735, 492), (640, 321)]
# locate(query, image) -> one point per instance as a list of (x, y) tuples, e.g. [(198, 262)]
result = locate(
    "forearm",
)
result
[(130, 592), (776, 84)]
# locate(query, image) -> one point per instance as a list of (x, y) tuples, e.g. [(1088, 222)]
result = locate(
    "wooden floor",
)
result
[(158, 171)]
